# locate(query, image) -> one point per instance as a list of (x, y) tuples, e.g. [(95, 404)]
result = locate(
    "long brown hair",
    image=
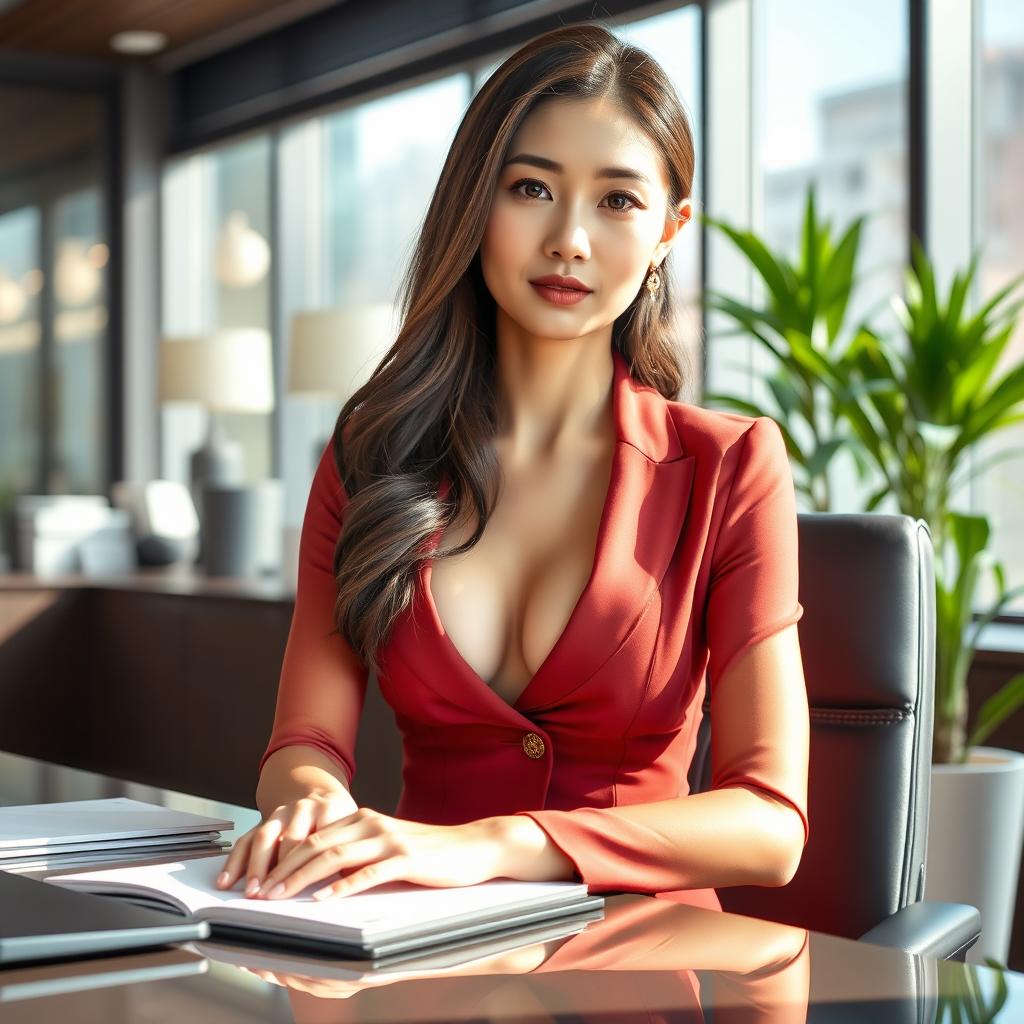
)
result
[(429, 407)]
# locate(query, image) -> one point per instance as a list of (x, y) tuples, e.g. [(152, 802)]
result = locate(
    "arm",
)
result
[(293, 772), (751, 826), (323, 682)]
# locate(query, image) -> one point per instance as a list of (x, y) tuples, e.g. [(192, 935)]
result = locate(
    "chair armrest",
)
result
[(942, 930)]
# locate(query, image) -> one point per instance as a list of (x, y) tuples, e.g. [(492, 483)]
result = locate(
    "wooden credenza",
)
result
[(165, 677)]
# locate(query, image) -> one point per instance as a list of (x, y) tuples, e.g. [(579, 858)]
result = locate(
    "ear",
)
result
[(672, 228)]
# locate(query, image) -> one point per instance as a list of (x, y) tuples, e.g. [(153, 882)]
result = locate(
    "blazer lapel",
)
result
[(641, 524)]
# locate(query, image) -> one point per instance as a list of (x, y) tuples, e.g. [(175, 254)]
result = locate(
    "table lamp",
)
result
[(227, 371), (334, 351)]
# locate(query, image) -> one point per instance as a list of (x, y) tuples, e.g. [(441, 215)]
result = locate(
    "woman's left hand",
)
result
[(369, 848)]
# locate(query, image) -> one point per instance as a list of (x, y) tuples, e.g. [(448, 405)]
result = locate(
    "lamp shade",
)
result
[(228, 371), (334, 351)]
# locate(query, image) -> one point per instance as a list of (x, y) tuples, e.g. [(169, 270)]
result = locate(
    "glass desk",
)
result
[(644, 960)]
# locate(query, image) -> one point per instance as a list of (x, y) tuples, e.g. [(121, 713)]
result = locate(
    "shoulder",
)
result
[(327, 494), (720, 437)]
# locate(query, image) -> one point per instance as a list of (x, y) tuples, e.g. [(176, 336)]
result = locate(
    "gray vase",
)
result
[(241, 528)]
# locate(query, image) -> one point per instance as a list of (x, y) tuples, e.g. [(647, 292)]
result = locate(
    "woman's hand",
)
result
[(264, 846), (369, 848)]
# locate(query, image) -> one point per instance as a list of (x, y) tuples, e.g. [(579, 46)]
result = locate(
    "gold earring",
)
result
[(653, 281)]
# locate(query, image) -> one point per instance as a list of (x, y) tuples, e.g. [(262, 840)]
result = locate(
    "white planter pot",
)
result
[(975, 831)]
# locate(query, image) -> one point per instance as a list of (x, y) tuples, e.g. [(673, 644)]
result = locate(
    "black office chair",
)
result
[(867, 639)]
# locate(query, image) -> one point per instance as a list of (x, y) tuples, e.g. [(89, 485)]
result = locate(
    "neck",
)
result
[(551, 393)]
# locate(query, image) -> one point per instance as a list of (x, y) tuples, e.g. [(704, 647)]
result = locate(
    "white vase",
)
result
[(975, 831)]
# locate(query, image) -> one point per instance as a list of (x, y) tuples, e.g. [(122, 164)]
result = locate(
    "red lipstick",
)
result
[(562, 291)]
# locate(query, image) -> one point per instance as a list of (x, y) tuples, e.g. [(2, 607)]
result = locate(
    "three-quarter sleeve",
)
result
[(759, 726), (323, 681), (758, 738), (752, 593)]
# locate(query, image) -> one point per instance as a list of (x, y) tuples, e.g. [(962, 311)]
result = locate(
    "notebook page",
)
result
[(393, 905)]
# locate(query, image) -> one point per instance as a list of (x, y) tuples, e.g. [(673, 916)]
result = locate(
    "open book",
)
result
[(387, 919)]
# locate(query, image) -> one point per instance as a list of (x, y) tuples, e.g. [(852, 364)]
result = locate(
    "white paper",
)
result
[(393, 905), (79, 821)]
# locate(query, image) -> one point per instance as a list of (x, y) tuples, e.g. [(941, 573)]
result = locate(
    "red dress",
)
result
[(696, 561)]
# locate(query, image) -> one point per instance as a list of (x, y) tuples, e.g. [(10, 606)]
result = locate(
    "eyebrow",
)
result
[(551, 165)]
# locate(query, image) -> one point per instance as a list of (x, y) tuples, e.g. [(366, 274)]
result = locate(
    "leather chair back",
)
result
[(867, 640)]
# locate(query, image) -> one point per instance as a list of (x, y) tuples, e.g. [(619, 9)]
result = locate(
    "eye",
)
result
[(628, 198), (526, 181)]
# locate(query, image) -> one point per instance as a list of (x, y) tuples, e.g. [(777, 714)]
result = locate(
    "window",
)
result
[(833, 114), (355, 187), (53, 304), (216, 275), (999, 230), (20, 364), (79, 332)]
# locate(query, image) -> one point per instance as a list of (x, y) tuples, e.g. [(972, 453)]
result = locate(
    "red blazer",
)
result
[(696, 561)]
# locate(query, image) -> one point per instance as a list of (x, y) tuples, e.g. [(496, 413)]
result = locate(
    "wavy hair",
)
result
[(429, 407)]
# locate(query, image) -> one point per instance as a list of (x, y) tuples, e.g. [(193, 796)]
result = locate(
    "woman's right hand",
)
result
[(257, 852)]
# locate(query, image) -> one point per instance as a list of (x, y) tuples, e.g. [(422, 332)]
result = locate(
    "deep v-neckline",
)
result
[(574, 615), (588, 587)]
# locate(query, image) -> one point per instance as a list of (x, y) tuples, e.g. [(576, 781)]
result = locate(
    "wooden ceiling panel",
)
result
[(83, 28), (62, 124)]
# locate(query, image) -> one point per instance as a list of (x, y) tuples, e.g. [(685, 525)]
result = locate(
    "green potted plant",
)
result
[(914, 414), (803, 326), (928, 409)]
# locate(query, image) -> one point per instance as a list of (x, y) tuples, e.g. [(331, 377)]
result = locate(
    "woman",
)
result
[(538, 550)]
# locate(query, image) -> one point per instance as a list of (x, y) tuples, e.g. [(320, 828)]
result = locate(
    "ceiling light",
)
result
[(12, 298), (76, 279), (138, 43), (243, 255)]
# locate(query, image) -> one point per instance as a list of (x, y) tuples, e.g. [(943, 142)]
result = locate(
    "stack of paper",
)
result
[(82, 832), (67, 533)]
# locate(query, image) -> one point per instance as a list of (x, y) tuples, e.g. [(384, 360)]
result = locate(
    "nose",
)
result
[(568, 238)]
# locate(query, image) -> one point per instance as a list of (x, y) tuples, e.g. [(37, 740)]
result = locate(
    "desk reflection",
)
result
[(646, 960)]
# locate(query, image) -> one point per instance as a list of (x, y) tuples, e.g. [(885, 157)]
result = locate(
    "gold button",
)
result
[(533, 745)]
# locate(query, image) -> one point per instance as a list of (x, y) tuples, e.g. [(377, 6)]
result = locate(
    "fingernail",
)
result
[(278, 890), (253, 887), (321, 894), (222, 878)]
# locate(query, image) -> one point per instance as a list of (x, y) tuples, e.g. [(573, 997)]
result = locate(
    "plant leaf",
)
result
[(997, 709)]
